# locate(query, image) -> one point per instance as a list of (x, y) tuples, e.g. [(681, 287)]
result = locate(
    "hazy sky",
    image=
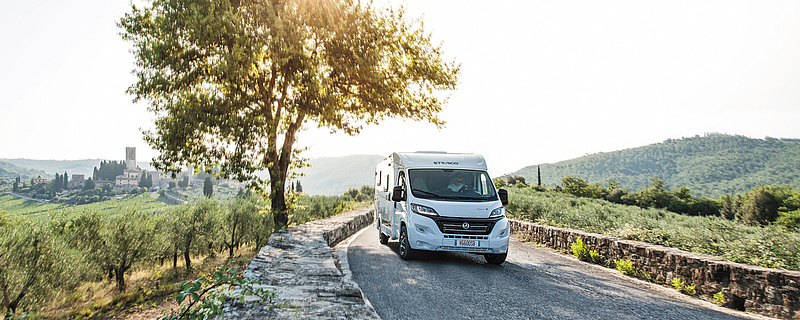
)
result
[(542, 81)]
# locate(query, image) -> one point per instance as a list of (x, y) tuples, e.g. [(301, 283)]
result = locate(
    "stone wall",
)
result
[(298, 266), (770, 292)]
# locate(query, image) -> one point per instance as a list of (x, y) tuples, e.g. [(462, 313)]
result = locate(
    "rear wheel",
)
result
[(405, 249), (495, 258)]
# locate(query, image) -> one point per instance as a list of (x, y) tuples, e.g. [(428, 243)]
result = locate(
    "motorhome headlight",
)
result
[(423, 210), (499, 212)]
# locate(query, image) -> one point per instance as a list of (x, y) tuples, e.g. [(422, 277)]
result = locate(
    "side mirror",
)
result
[(398, 194), (503, 196)]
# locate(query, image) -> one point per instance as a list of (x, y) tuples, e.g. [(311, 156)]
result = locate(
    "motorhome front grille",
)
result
[(448, 236), (465, 227), (466, 249)]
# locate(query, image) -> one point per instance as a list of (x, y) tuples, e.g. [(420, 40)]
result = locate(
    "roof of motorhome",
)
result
[(439, 160)]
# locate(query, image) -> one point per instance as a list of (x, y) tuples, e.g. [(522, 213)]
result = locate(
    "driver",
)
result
[(458, 183)]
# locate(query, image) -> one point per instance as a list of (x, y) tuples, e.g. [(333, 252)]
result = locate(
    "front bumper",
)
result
[(486, 236)]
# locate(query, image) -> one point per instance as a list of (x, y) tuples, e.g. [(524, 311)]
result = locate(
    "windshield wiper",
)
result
[(427, 193)]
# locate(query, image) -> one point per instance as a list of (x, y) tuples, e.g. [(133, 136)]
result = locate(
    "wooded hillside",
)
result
[(710, 166)]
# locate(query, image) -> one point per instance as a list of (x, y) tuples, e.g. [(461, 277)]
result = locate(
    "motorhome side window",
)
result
[(451, 184)]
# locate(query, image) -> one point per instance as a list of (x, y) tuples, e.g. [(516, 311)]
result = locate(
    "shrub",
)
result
[(683, 287), (583, 253), (718, 298)]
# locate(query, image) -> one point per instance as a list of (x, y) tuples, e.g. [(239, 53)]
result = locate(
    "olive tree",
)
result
[(231, 82), (32, 265), (115, 244)]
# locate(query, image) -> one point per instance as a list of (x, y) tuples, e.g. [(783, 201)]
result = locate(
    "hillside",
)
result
[(710, 166), (334, 175), (10, 171)]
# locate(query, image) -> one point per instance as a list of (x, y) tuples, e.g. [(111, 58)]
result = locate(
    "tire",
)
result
[(384, 238), (406, 253), (495, 258)]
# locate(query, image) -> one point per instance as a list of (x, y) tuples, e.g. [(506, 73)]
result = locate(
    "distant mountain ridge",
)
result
[(10, 171), (709, 166), (326, 176), (51, 167), (335, 175)]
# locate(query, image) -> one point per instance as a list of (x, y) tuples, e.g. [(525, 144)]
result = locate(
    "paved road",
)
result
[(534, 283)]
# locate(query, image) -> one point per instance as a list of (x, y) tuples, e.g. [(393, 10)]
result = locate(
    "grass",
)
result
[(769, 246), (149, 292), (19, 206), (35, 210)]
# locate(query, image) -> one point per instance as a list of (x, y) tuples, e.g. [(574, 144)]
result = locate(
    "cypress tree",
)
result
[(539, 175)]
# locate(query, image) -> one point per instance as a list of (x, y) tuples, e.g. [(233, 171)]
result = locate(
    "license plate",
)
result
[(468, 243)]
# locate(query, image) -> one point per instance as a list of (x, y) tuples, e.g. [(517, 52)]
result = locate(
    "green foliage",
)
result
[(626, 267), (114, 243), (583, 253), (513, 180), (33, 262), (769, 246), (109, 170), (197, 227), (230, 90), (710, 166), (790, 220), (682, 287), (207, 294), (582, 188), (760, 207), (718, 298)]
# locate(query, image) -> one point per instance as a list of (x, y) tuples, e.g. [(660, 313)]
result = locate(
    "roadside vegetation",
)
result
[(109, 258), (740, 238)]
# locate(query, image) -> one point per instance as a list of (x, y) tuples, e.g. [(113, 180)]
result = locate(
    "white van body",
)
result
[(436, 201)]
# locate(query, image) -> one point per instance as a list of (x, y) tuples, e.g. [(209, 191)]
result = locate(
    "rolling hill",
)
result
[(334, 175), (10, 171), (709, 166)]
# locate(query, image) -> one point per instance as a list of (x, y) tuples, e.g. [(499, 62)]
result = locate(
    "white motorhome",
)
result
[(437, 201)]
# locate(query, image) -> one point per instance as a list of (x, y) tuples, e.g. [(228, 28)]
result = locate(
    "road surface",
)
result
[(533, 283)]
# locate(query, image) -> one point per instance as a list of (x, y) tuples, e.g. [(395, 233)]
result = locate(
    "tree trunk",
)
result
[(175, 256), (120, 275), (186, 257), (280, 214)]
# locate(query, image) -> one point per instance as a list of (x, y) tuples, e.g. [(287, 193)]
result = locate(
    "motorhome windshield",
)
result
[(451, 184)]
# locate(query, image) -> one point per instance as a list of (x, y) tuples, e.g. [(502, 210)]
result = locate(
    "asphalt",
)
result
[(533, 283)]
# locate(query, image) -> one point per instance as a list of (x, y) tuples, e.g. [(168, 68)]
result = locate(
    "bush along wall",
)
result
[(770, 292)]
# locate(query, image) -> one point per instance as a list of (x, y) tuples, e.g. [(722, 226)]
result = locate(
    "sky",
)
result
[(541, 81)]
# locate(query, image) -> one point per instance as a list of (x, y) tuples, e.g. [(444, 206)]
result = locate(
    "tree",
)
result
[(539, 176), (184, 182), (88, 185), (232, 82), (115, 243), (208, 187), (195, 225), (32, 262), (239, 219), (298, 187), (760, 207), (146, 181)]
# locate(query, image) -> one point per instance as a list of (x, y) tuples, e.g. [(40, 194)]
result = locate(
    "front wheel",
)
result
[(406, 253), (495, 258)]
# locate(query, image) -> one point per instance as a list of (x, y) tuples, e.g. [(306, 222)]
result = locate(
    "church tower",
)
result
[(130, 158)]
